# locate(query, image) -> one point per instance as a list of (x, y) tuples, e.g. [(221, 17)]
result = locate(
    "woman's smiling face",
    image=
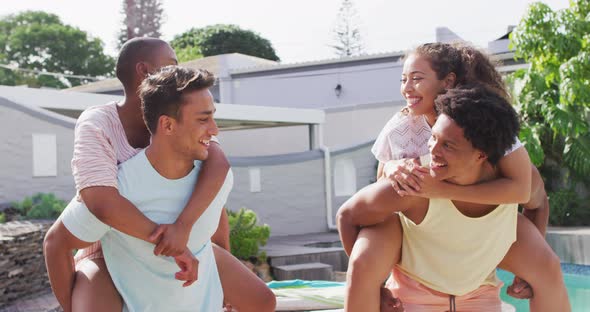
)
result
[(420, 85)]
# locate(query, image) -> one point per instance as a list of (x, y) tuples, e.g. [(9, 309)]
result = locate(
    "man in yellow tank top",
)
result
[(451, 249)]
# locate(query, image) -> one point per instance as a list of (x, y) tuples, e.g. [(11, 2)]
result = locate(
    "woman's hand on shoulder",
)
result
[(405, 175), (429, 188)]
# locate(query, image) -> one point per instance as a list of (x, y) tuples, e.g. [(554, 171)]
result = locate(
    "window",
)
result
[(344, 177), (44, 155), (255, 186)]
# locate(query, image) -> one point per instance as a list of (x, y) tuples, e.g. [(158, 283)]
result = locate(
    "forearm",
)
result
[(495, 192), (537, 210), (539, 217), (118, 212), (211, 177), (221, 236)]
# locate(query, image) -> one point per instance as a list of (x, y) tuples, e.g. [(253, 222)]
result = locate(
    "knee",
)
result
[(263, 301), (553, 265), (340, 217), (269, 301), (51, 240), (344, 216), (359, 265)]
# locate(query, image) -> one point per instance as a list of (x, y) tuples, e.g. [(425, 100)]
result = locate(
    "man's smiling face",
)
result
[(453, 157), (194, 126)]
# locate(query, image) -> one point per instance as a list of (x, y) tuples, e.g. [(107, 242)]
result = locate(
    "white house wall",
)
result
[(365, 165), (345, 128), (342, 128), (292, 188), (373, 83), (265, 141), (16, 148)]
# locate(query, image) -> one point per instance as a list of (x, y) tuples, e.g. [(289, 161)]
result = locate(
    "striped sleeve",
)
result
[(94, 162)]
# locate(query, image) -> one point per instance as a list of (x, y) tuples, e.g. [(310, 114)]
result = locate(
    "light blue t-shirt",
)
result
[(146, 282)]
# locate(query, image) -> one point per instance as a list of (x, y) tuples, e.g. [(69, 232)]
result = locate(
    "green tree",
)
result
[(221, 39), (553, 99), (553, 94), (40, 42), (142, 18), (347, 33)]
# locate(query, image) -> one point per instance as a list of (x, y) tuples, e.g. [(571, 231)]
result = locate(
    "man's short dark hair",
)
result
[(135, 50), (161, 93), (488, 120)]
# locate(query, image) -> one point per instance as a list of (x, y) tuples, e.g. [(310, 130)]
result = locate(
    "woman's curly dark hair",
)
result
[(488, 120), (470, 65)]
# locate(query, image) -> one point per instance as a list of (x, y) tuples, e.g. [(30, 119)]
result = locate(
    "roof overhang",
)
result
[(228, 116)]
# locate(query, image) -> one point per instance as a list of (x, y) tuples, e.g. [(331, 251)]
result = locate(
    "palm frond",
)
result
[(529, 135), (577, 154)]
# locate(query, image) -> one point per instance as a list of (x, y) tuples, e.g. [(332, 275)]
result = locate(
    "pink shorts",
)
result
[(418, 298), (91, 252)]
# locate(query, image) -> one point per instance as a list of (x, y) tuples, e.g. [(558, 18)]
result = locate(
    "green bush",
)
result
[(40, 206), (2, 217), (567, 209), (246, 236)]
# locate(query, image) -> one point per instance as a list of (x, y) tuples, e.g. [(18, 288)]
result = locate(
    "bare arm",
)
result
[(58, 248), (513, 187), (211, 177), (116, 211), (537, 209), (221, 236), (371, 205), (129, 220)]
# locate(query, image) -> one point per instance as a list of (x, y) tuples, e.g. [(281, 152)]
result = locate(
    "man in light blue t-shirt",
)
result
[(159, 181)]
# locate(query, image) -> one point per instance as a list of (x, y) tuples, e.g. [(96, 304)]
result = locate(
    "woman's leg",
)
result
[(242, 289), (376, 250), (94, 289), (533, 260)]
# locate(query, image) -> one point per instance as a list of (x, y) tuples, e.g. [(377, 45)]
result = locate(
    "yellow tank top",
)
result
[(455, 254)]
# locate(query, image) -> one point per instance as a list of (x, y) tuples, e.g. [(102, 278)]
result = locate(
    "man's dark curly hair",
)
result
[(488, 120), (161, 92)]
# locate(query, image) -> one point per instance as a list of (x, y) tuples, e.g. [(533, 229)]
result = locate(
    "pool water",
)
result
[(577, 281)]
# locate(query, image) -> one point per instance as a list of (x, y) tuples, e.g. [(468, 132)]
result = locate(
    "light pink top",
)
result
[(100, 144), (406, 136)]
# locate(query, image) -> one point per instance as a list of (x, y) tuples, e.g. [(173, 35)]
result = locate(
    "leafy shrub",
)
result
[(2, 217), (567, 208), (246, 236), (40, 206)]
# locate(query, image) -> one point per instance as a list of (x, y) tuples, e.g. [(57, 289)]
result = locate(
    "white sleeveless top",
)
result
[(406, 136)]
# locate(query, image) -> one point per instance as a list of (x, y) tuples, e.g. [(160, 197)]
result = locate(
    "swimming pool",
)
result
[(577, 281)]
